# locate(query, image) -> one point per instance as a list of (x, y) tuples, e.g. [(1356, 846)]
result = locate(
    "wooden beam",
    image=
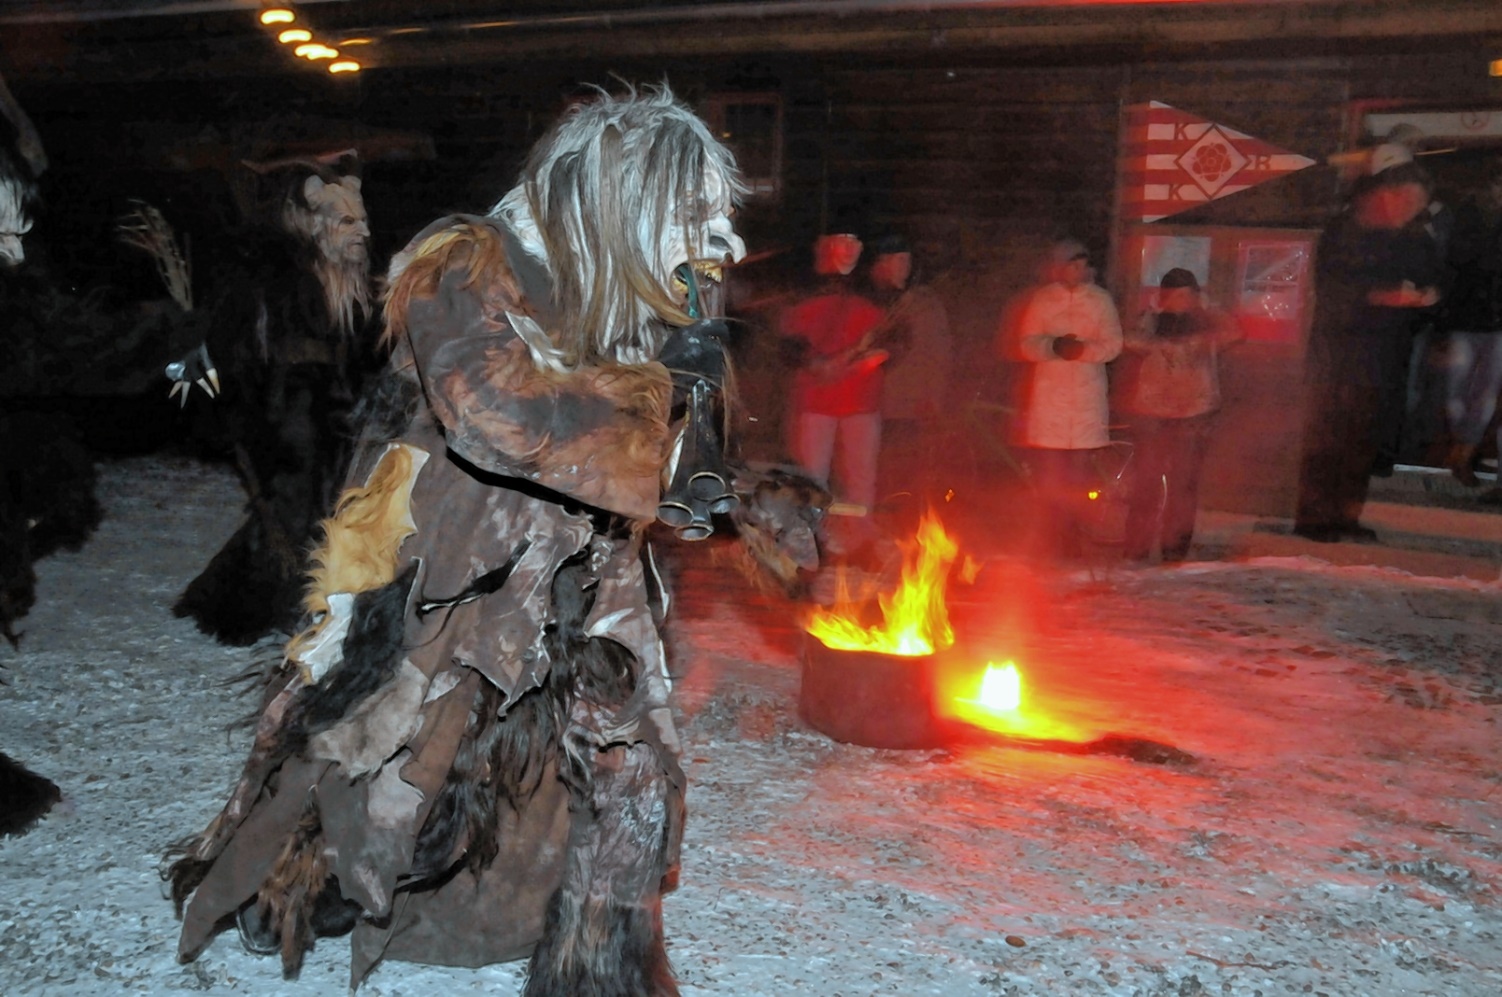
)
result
[(1059, 29), (1060, 34)]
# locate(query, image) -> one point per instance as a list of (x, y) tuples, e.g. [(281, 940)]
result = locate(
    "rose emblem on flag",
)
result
[(1174, 161), (1212, 161)]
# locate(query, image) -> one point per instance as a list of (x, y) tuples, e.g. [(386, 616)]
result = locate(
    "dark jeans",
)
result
[(1352, 421), (1167, 457), (1392, 409), (1341, 443)]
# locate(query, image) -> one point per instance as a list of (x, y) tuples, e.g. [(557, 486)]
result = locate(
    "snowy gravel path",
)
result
[(1338, 833)]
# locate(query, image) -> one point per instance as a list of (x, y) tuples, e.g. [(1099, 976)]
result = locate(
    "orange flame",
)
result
[(915, 620)]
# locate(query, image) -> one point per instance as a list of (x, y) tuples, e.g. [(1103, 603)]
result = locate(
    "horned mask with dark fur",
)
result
[(324, 209), (328, 212)]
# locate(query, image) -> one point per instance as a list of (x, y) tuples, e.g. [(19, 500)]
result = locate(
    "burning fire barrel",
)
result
[(865, 697), (903, 682), (873, 684)]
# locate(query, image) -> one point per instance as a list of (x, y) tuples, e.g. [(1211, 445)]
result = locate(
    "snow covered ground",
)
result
[(1336, 834)]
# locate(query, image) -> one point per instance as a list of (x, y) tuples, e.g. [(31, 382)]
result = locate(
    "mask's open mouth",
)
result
[(699, 283), (711, 271)]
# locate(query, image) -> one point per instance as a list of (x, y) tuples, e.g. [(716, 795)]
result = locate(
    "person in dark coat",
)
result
[(915, 393), (1377, 269)]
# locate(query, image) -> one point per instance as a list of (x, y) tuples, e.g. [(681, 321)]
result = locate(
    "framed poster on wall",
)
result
[(1272, 279)]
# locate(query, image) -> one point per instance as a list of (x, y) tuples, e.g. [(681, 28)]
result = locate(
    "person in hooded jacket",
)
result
[(1172, 398), (1068, 332)]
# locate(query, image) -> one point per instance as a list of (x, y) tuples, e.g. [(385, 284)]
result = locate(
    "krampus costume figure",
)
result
[(46, 478), (468, 755), (286, 342)]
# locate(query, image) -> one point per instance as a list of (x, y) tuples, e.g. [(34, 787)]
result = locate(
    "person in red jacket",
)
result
[(836, 404)]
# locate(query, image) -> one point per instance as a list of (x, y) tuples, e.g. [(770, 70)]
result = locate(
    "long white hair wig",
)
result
[(595, 202)]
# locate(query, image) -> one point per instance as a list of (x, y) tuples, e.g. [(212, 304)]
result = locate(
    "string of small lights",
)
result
[(292, 32)]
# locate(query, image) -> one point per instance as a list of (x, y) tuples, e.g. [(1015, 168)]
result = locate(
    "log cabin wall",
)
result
[(969, 154), (978, 156), (1306, 105)]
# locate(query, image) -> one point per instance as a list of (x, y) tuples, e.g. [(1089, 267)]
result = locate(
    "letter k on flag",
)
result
[(1173, 161)]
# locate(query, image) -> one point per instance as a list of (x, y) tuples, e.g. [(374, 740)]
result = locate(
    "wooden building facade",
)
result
[(978, 130)]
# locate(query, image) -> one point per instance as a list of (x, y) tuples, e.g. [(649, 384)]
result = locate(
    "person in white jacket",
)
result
[(1068, 332)]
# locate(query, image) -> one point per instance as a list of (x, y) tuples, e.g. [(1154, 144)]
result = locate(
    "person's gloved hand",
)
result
[(697, 353), (1068, 347)]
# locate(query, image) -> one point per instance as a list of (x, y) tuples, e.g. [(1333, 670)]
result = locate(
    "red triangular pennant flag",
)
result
[(1174, 161)]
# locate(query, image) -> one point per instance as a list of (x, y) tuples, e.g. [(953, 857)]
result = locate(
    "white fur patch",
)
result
[(394, 802), (326, 649)]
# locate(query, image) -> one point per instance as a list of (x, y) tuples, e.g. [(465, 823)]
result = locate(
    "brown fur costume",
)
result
[(386, 687), (468, 755), (47, 478)]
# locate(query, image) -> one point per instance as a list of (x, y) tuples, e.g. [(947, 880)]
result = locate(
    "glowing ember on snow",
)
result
[(1001, 688), (915, 620), (995, 702)]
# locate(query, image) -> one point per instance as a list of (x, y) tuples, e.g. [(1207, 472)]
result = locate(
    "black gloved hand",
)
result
[(696, 353), (1068, 347)]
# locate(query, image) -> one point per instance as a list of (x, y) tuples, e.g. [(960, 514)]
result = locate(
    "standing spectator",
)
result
[(1173, 398), (916, 333), (1377, 268), (1472, 321), (1069, 331), (837, 388)]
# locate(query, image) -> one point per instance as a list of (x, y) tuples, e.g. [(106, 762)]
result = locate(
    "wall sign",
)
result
[(1271, 280)]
